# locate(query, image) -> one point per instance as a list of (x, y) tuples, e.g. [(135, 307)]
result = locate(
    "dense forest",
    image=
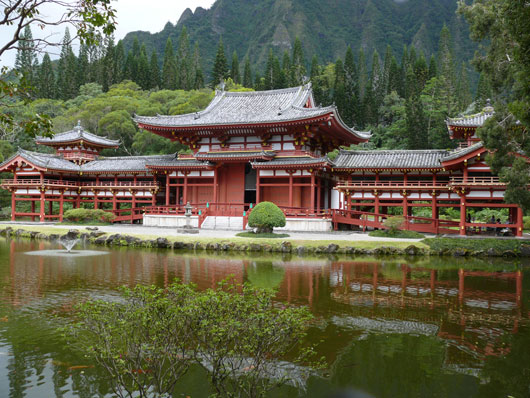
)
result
[(402, 98)]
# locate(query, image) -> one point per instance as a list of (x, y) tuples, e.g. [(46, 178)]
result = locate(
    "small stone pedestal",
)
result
[(188, 229)]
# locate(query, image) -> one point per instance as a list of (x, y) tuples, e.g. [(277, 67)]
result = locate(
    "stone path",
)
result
[(166, 232)]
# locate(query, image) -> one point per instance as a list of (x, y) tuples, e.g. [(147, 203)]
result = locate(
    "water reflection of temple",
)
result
[(471, 310)]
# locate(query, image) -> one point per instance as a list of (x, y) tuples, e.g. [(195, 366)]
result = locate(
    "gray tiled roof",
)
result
[(462, 152), (124, 163), (475, 120), (44, 160), (235, 154), (300, 161), (391, 159), (77, 134), (176, 162), (252, 107), (100, 164)]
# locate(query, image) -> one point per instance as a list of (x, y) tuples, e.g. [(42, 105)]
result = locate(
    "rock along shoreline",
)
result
[(123, 240)]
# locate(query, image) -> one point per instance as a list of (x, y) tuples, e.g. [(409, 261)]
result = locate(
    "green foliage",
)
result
[(499, 245), (262, 235), (265, 216), (394, 224), (396, 234), (526, 223), (88, 215), (148, 340)]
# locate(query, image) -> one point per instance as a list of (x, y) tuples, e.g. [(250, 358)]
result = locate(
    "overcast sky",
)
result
[(149, 15)]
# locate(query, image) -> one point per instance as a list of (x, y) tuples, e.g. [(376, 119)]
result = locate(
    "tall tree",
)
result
[(109, 64), (247, 74), (415, 121), (351, 91), (185, 76), (66, 70), (119, 62), (154, 71), (82, 66), (463, 91), (501, 27), (297, 64), (46, 79), (143, 73), (234, 70), (169, 67), (483, 91), (26, 59), (363, 74), (198, 81), (220, 67)]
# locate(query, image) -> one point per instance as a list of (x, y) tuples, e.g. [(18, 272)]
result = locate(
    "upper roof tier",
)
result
[(259, 109), (471, 121), (78, 135)]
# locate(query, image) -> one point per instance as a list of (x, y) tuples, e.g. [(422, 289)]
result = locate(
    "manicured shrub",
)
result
[(88, 215), (526, 222), (266, 216), (394, 224)]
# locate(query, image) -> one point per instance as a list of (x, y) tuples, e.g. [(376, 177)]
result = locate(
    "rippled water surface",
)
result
[(387, 328)]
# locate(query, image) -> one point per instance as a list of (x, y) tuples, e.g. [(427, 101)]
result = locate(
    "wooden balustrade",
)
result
[(22, 182), (427, 185), (476, 181)]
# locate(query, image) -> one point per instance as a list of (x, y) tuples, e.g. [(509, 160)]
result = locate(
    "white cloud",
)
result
[(132, 15)]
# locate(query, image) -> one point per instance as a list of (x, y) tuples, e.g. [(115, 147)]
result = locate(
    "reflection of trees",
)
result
[(397, 366), (264, 274), (509, 375)]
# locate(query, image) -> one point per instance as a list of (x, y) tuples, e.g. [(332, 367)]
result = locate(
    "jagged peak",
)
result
[(187, 14)]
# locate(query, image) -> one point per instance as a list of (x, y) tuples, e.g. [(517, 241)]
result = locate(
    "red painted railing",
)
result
[(476, 181), (118, 184), (351, 185), (21, 182)]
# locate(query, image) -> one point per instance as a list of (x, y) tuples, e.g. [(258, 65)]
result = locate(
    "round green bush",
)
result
[(266, 216)]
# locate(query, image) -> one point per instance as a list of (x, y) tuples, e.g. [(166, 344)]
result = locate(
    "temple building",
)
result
[(249, 147)]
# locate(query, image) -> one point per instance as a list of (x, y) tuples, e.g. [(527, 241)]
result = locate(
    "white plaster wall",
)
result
[(151, 220)]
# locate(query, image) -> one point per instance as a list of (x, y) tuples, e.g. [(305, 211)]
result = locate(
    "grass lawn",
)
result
[(271, 235), (398, 234)]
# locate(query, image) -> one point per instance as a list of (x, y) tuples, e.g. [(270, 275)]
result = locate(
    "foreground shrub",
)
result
[(148, 340), (394, 224), (88, 215), (265, 217)]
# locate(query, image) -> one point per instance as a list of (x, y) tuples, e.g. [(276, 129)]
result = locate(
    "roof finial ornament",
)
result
[(222, 85), (488, 108), (305, 79), (78, 127)]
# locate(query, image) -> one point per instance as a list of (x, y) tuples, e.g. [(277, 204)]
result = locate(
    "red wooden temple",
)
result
[(248, 147)]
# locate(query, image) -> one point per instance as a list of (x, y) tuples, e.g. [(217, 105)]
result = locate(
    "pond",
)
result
[(387, 327)]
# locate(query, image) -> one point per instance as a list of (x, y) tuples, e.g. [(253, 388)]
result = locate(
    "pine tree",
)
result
[(318, 93), (143, 72), (297, 64), (286, 70), (269, 72), (421, 71), (339, 89), (351, 92), (463, 91), (363, 74), (83, 66), (415, 121), (169, 68), (234, 70), (394, 77), (119, 63), (484, 92), (185, 77), (154, 71), (220, 67), (66, 70), (46, 79), (198, 81), (446, 71), (376, 91), (26, 59), (386, 70), (109, 64), (433, 70), (247, 74)]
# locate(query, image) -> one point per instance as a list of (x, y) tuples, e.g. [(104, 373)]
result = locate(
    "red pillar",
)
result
[(291, 188), (167, 189), (258, 189), (61, 206), (33, 210), (185, 195), (462, 224), (214, 199), (114, 203), (319, 188), (519, 232), (41, 206), (14, 205), (312, 191)]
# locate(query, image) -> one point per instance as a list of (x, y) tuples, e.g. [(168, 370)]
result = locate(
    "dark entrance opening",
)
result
[(250, 184)]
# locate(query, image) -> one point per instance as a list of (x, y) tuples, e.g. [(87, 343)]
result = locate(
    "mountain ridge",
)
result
[(326, 28)]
